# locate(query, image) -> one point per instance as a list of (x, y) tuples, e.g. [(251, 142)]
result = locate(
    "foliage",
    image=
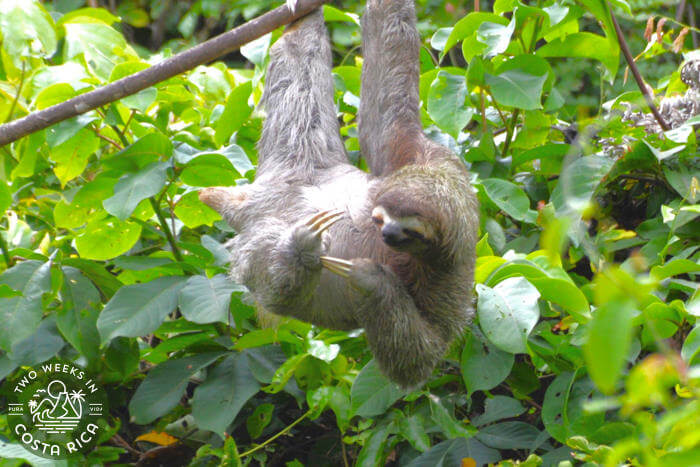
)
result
[(586, 345)]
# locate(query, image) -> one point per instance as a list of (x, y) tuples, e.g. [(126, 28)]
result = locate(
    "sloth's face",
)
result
[(408, 232)]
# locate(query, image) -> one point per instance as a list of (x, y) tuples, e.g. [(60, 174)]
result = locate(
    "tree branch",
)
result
[(635, 71), (197, 55)]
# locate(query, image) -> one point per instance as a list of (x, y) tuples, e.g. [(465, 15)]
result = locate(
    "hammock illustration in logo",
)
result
[(54, 410)]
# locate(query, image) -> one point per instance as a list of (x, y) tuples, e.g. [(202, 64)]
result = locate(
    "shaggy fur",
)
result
[(411, 303)]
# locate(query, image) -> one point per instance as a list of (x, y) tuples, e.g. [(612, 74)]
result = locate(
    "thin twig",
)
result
[(6, 252), (105, 138), (269, 440), (19, 90), (166, 230), (635, 71)]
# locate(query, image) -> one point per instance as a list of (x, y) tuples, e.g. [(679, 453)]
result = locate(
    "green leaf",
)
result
[(193, 213), (43, 344), (608, 343), (209, 170), (562, 411), (205, 300), (102, 46), (478, 354), (563, 292), (146, 150), (446, 421), (509, 435), (496, 37), (236, 112), (497, 408), (164, 385), (5, 197), (72, 156), (413, 430), (77, 319), (105, 239), (20, 315), (578, 182), (142, 99), (516, 88), (446, 103), (259, 419), (508, 312), (27, 30), (454, 451), (509, 197), (137, 310), (467, 27), (691, 347), (134, 188), (221, 396), (372, 453), (584, 45), (372, 393), (674, 267)]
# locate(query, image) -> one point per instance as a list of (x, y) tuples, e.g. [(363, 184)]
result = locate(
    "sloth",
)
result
[(391, 251)]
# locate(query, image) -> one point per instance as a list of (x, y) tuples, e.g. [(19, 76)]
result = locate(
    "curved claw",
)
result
[(320, 222), (338, 266)]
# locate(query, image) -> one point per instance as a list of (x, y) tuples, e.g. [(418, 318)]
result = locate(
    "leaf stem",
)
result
[(5, 252), (510, 129), (19, 90), (166, 230), (283, 432)]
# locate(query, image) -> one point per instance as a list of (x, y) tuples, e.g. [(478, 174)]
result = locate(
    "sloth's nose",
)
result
[(392, 234)]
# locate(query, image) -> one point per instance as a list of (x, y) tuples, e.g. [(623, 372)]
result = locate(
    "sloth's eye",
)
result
[(377, 220)]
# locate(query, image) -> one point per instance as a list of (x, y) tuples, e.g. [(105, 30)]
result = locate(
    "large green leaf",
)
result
[(517, 88), (372, 392), (163, 387), (509, 197), (137, 310), (497, 408), (134, 188), (205, 300), (508, 312), (454, 452), (478, 353), (77, 319), (584, 45), (446, 102), (20, 315), (27, 30), (608, 342), (236, 112), (107, 238), (102, 46), (509, 435), (219, 398)]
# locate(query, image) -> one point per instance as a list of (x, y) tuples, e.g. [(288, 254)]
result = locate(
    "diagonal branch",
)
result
[(197, 55), (635, 72)]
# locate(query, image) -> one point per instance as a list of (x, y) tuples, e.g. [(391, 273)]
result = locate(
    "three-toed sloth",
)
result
[(322, 241)]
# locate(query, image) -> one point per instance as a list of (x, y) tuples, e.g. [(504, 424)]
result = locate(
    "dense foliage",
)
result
[(586, 345)]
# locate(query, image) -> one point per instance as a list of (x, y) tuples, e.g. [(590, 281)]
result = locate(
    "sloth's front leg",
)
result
[(293, 267), (226, 200), (407, 346)]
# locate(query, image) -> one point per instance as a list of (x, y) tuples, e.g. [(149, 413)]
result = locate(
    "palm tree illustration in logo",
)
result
[(58, 411)]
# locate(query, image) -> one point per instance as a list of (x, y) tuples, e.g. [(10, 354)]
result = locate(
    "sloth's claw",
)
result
[(320, 222), (338, 266)]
